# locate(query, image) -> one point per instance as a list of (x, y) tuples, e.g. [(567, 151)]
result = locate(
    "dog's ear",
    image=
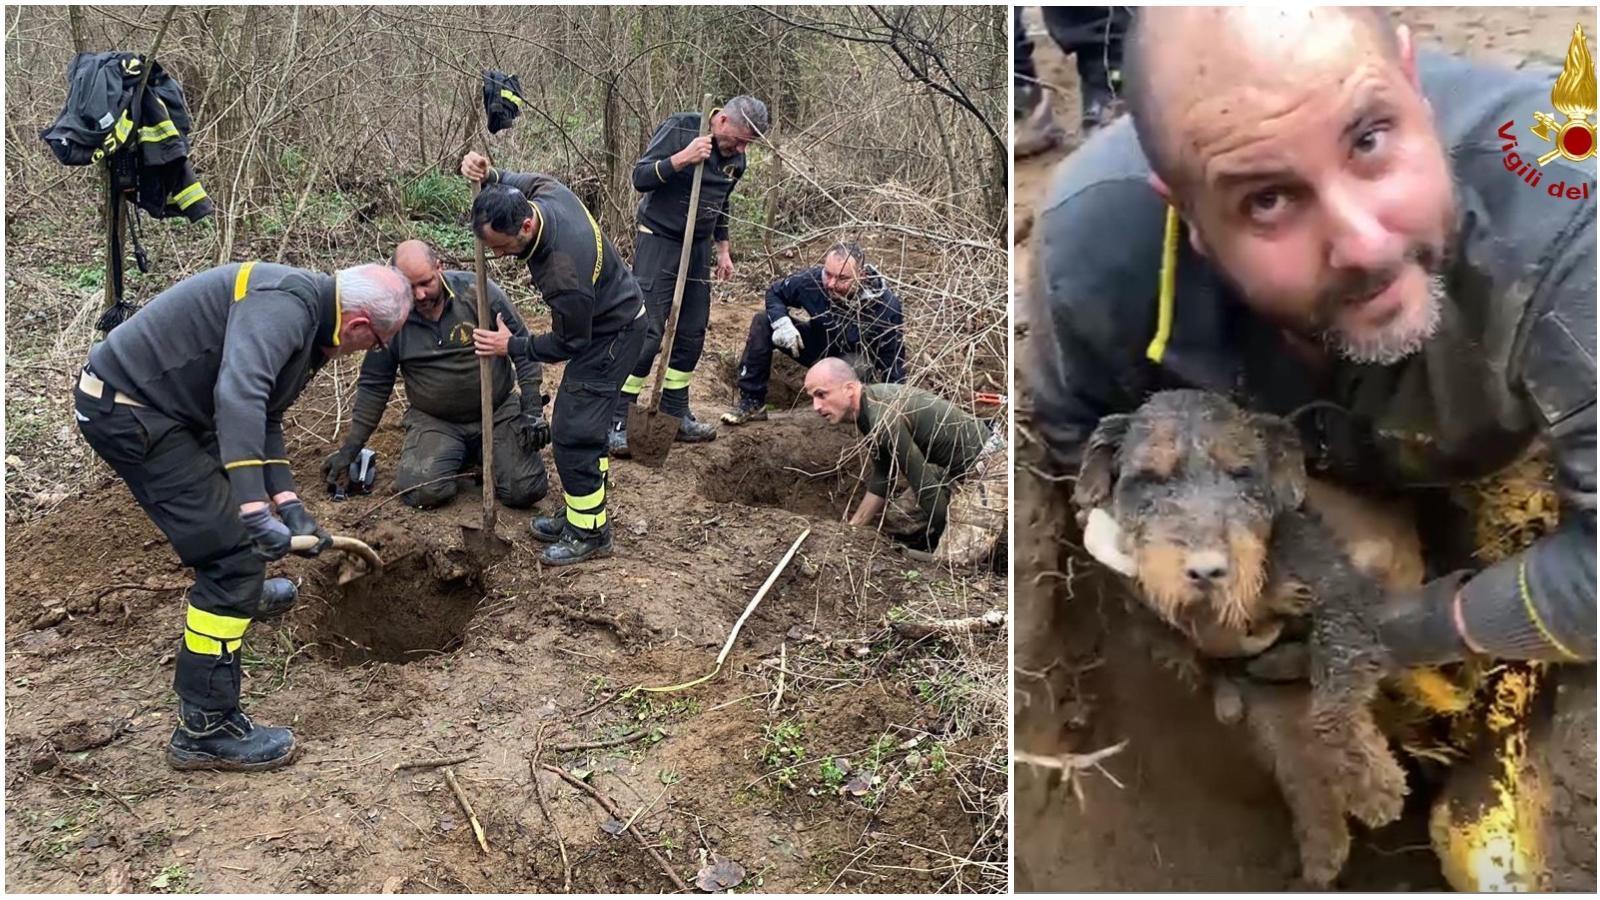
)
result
[(1286, 461), (1097, 470)]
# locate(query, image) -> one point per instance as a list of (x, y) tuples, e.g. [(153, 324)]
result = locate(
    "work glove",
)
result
[(1102, 537), (298, 518), (269, 537), (532, 430), (785, 335), (1418, 627), (336, 468)]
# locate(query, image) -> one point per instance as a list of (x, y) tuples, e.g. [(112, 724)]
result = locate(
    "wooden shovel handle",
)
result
[(340, 542), (683, 262), (485, 376)]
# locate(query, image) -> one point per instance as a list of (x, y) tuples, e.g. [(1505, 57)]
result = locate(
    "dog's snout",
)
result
[(1206, 567)]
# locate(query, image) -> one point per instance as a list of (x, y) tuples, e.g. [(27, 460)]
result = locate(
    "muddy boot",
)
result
[(1037, 131), (548, 529), (693, 431), (748, 410), (227, 742), (277, 596), (617, 439), (577, 545)]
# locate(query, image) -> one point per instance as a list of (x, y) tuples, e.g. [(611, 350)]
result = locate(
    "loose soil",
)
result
[(434, 657), (1184, 806)]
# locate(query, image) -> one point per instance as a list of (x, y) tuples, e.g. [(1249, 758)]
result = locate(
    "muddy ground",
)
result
[(829, 754), (1184, 806)]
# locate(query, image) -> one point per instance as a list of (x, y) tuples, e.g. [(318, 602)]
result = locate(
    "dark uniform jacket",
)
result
[(930, 430), (438, 364), (98, 120), (589, 289), (665, 207), (1513, 361), (873, 319), (227, 351)]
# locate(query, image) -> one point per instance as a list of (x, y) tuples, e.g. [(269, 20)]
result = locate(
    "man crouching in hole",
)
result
[(1309, 214)]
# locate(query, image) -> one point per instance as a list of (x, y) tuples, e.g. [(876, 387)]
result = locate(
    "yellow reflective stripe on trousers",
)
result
[(189, 196), (633, 385), (158, 132), (588, 511), (512, 97), (241, 281), (676, 379), (605, 464), (209, 633)]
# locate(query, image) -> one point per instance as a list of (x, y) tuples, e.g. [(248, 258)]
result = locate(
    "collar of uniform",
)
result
[(538, 237), (865, 413), (331, 318)]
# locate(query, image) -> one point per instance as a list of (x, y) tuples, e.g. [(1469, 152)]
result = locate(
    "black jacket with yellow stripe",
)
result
[(98, 121), (227, 351)]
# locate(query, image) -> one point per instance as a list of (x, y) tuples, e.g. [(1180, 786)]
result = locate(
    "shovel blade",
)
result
[(483, 545), (650, 436)]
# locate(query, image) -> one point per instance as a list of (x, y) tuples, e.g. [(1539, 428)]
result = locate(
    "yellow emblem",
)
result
[(1574, 97)]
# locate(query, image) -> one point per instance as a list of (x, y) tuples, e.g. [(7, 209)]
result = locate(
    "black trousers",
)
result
[(579, 425), (176, 476), (755, 366), (1092, 35), (655, 266), (435, 449)]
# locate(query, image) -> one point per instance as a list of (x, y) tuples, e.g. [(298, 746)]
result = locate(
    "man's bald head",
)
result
[(835, 390), (1175, 56), (420, 264)]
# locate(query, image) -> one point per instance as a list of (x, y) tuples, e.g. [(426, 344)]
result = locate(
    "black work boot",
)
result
[(579, 544), (748, 410), (694, 431), (617, 440), (277, 596), (227, 742), (548, 528)]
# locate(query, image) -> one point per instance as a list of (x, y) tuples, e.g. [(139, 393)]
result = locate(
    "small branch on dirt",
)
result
[(611, 810), (1071, 764), (601, 745), (603, 620), (783, 662), (96, 787), (992, 620), (391, 498), (594, 706), (544, 808), (466, 807), (431, 763)]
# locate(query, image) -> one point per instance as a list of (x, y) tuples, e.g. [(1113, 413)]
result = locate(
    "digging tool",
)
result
[(350, 545), (650, 431)]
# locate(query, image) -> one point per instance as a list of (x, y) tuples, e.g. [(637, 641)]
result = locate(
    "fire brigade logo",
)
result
[(1574, 97)]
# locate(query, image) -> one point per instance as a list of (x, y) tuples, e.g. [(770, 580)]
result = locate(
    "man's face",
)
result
[(427, 286), (840, 275), (508, 244), (731, 139), (1323, 195), (833, 400), (358, 333)]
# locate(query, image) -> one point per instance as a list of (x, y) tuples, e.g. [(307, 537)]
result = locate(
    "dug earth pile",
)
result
[(828, 754)]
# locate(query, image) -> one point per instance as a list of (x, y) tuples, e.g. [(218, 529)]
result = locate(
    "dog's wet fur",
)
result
[(1210, 501)]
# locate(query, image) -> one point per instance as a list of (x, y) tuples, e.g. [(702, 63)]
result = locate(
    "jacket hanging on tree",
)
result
[(97, 124)]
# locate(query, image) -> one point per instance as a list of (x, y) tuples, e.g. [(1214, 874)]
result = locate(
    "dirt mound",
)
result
[(798, 464)]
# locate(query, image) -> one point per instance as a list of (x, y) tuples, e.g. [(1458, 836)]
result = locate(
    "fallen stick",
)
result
[(1070, 762), (392, 497), (734, 634), (783, 661), (611, 810), (431, 763), (466, 806), (596, 705), (601, 745), (538, 793), (990, 621)]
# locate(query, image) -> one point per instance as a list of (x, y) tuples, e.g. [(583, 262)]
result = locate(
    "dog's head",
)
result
[(1195, 483)]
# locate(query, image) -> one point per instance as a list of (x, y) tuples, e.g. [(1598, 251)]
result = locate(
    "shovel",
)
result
[(480, 540), (650, 431), (350, 545)]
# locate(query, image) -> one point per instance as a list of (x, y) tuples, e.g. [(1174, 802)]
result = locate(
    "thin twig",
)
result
[(611, 810), (538, 794), (466, 806), (431, 763), (390, 499), (601, 745)]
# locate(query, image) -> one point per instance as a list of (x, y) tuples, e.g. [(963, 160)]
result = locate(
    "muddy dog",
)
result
[(1210, 503)]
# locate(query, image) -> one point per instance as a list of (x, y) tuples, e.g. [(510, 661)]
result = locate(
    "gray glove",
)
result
[(269, 536), (785, 335), (298, 519)]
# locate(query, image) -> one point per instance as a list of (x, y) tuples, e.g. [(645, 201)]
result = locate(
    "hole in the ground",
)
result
[(801, 466), (418, 606)]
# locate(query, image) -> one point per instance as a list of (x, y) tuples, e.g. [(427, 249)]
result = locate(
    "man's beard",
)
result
[(1411, 327)]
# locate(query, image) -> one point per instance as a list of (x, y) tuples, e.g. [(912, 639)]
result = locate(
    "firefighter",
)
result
[(913, 433), (434, 352), (596, 326), (665, 176), (185, 401), (850, 311)]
